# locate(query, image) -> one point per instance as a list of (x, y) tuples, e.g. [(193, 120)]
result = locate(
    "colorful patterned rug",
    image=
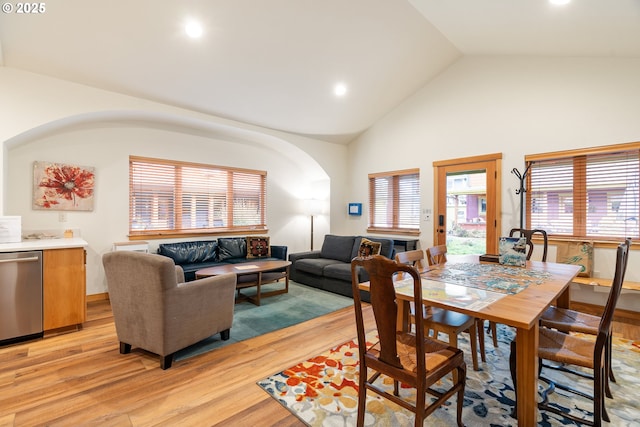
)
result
[(322, 391)]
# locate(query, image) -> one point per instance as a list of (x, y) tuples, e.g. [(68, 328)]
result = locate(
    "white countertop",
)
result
[(42, 244)]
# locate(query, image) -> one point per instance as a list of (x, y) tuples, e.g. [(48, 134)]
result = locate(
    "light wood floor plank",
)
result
[(80, 378)]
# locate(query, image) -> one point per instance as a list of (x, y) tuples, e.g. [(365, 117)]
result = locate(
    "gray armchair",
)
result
[(154, 308)]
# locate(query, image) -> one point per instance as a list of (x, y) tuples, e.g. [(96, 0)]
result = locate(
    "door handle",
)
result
[(29, 259)]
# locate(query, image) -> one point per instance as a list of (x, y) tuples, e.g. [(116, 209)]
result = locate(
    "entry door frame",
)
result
[(492, 163)]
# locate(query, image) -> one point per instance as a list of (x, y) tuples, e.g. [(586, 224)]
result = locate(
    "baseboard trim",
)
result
[(98, 297)]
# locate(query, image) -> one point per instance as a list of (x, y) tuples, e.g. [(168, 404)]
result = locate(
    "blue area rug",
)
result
[(301, 303)]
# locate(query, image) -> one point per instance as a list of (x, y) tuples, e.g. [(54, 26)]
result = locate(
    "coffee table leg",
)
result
[(258, 291), (286, 280)]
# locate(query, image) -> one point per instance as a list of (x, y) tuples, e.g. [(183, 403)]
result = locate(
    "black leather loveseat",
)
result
[(195, 255), (330, 267)]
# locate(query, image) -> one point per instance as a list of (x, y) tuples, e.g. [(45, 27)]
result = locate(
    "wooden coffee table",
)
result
[(251, 274)]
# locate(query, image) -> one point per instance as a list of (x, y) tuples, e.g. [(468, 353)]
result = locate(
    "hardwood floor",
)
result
[(80, 378)]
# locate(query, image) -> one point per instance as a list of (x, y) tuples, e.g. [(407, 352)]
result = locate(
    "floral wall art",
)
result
[(58, 186)]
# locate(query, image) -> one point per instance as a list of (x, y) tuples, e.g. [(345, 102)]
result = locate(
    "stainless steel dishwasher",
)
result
[(20, 296)]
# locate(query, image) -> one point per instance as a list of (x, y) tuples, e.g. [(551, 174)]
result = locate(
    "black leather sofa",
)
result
[(330, 267), (195, 255)]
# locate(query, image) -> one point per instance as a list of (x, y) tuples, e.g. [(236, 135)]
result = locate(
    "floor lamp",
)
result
[(314, 208)]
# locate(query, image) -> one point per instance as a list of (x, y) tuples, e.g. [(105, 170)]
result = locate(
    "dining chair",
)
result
[(437, 255), (567, 320), (529, 235), (561, 347), (452, 323), (410, 358), (492, 329)]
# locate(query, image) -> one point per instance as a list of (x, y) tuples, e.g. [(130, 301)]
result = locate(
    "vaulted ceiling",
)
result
[(275, 63)]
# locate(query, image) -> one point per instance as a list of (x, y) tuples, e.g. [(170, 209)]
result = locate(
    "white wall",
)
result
[(84, 126), (480, 105), (515, 106)]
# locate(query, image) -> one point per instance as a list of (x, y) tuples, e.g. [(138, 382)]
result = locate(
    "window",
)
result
[(176, 198), (590, 193), (394, 201)]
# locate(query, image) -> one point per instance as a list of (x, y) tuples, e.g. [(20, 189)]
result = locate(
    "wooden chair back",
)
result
[(528, 234), (437, 255), (414, 258), (402, 356), (570, 350), (604, 330)]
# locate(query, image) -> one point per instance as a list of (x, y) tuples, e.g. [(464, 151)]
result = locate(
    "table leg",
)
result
[(527, 375), (404, 312), (258, 290), (286, 280), (564, 299)]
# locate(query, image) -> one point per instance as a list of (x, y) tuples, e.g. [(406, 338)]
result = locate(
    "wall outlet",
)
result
[(62, 217)]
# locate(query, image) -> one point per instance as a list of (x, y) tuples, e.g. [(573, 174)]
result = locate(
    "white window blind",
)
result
[(170, 197), (394, 201), (586, 195)]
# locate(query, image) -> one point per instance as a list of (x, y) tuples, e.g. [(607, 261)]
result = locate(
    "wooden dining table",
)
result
[(515, 302)]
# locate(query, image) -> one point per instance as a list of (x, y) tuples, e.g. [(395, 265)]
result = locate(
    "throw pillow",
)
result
[(369, 248), (258, 247), (577, 253)]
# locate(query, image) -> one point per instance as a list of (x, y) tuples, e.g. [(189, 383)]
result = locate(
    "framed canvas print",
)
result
[(355, 208), (58, 186), (513, 251)]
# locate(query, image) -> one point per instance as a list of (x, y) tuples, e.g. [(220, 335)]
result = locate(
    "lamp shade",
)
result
[(313, 207)]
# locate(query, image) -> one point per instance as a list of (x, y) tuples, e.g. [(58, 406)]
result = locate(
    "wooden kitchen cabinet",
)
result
[(64, 287)]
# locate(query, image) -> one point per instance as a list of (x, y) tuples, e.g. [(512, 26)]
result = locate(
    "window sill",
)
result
[(396, 231), (177, 235)]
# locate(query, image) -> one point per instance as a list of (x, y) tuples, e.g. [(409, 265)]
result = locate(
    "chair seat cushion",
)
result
[(453, 320), (436, 353)]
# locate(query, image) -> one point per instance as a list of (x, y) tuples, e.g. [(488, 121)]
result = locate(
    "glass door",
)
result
[(467, 201)]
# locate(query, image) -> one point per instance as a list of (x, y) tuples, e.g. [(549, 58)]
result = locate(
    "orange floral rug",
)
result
[(322, 391)]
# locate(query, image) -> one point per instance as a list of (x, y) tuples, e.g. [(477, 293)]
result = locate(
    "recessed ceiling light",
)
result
[(193, 29), (340, 89), (559, 2)]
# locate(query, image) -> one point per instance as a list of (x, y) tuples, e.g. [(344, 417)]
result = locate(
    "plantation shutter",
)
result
[(394, 201), (151, 195), (586, 196), (177, 197)]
